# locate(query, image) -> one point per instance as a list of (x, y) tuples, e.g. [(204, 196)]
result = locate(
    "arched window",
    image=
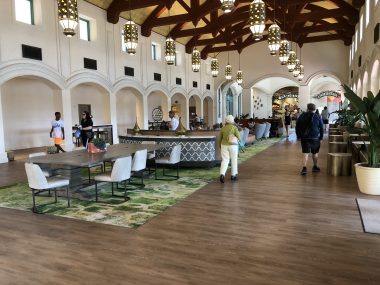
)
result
[(229, 102), (367, 11)]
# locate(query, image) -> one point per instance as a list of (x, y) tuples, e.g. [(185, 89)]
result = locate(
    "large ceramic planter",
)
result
[(368, 179)]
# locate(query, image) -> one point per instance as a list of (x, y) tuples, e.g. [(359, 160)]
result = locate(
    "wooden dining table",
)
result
[(68, 164)]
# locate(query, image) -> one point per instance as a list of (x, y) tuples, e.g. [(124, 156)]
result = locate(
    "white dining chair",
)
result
[(139, 165), (172, 160), (121, 171), (38, 183), (47, 171)]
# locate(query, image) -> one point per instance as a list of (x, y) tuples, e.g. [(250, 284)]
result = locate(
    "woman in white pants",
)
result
[(228, 150)]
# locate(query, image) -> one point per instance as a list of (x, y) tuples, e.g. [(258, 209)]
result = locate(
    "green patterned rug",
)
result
[(144, 204)]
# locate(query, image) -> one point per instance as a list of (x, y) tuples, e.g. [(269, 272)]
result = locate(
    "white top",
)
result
[(174, 123), (57, 128), (325, 114)]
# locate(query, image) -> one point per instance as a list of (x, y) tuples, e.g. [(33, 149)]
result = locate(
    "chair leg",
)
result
[(125, 190), (34, 209), (55, 196), (96, 191), (68, 197)]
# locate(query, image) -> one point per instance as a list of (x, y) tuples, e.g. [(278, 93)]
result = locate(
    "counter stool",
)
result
[(339, 164)]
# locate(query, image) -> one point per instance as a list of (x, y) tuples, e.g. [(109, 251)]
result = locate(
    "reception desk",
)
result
[(198, 148)]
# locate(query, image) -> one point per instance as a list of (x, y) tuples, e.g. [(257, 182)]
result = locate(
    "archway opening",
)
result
[(194, 109), (285, 98), (178, 105), (30, 106), (208, 107), (129, 109), (158, 109)]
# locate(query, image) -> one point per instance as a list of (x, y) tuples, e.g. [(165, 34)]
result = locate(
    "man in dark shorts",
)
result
[(309, 129)]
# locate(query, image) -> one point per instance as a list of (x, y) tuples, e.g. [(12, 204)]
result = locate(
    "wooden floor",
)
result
[(271, 227)]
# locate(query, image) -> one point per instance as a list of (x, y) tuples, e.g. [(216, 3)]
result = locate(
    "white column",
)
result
[(247, 102), (113, 112), (145, 112), (3, 154), (187, 114), (201, 107), (67, 118), (304, 96)]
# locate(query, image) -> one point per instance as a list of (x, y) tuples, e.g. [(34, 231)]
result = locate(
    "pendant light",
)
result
[(228, 70), (214, 66), (291, 63), (296, 70), (227, 5), (195, 60), (283, 52), (239, 74), (302, 72), (274, 35), (169, 48), (257, 18), (131, 34), (68, 16)]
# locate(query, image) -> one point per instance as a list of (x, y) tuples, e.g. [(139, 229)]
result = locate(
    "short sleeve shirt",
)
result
[(57, 128)]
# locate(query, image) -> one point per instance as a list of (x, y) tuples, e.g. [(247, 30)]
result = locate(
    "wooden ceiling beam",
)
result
[(358, 3), (324, 28), (118, 6)]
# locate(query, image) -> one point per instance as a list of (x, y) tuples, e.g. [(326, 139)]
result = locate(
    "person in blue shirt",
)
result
[(309, 130)]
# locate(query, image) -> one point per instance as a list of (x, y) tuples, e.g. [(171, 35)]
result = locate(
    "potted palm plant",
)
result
[(368, 111)]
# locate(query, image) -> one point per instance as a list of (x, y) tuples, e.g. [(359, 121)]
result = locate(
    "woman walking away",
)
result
[(288, 120), (325, 118), (229, 149), (86, 128)]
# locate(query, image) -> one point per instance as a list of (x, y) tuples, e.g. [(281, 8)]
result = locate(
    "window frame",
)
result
[(88, 22), (154, 52), (31, 11)]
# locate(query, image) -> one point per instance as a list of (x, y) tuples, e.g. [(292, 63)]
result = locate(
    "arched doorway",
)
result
[(179, 106), (375, 77), (129, 108), (365, 85), (28, 106), (285, 98), (95, 98), (158, 103), (194, 108)]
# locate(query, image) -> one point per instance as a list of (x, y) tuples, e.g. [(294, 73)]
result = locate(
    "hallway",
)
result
[(273, 226)]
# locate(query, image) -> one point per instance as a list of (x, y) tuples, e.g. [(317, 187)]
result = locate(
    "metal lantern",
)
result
[(274, 38), (68, 16), (291, 63), (195, 60), (296, 69), (257, 18), (302, 72), (131, 36), (239, 77), (283, 52), (169, 50), (228, 72), (227, 5), (214, 67)]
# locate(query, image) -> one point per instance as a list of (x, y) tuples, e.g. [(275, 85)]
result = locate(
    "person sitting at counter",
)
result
[(174, 123)]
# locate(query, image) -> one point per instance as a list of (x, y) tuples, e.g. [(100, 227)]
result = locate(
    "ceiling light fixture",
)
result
[(239, 74), (68, 16), (169, 48), (274, 34), (257, 18), (283, 52), (195, 60), (227, 5), (131, 34), (214, 67), (228, 70)]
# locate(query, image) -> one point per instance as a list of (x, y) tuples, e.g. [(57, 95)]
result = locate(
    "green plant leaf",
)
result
[(355, 100)]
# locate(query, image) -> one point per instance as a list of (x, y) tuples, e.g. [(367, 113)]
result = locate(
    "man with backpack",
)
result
[(309, 130)]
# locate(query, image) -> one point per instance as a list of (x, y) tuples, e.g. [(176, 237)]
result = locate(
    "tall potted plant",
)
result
[(368, 111)]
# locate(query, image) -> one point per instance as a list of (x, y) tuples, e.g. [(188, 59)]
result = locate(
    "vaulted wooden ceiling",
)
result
[(202, 23)]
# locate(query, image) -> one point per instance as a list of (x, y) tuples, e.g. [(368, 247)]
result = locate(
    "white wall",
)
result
[(263, 98), (129, 108), (23, 126)]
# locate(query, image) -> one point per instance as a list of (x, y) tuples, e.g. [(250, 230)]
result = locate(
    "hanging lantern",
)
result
[(169, 50), (227, 5), (274, 38), (302, 72), (257, 18), (283, 52), (131, 36), (296, 69), (68, 16), (228, 72), (195, 60), (214, 67), (239, 77), (291, 63)]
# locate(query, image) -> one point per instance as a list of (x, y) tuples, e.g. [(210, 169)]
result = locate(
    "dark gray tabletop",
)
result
[(81, 158)]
